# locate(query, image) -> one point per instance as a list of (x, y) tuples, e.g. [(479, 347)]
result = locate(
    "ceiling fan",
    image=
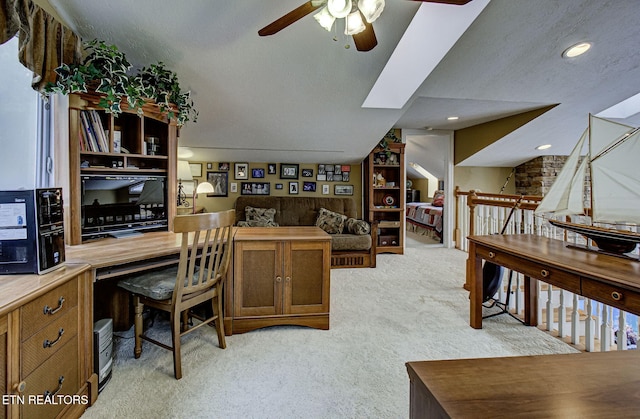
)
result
[(352, 10)]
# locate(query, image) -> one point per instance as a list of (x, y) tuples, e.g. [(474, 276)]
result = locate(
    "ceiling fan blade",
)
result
[(365, 40), (286, 20), (456, 2)]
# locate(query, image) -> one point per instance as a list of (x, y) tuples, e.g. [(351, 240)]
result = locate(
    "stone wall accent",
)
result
[(536, 176)]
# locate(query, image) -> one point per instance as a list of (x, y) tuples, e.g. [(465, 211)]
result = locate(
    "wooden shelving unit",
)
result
[(385, 196), (133, 157)]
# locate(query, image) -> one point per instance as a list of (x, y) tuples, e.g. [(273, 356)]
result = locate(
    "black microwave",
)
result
[(31, 231)]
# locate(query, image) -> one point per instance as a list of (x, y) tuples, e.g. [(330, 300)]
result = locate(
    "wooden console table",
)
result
[(611, 280), (280, 277), (584, 385)]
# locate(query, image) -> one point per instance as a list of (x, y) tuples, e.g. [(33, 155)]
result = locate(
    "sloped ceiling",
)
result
[(297, 96)]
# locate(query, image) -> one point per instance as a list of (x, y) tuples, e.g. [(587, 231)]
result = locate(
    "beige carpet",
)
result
[(411, 307)]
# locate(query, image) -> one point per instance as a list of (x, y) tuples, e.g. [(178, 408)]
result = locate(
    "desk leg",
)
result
[(530, 301), (475, 281)]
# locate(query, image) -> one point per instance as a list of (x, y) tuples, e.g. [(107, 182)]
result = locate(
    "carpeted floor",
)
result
[(411, 307)]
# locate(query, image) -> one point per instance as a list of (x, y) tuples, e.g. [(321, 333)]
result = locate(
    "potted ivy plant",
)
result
[(106, 70)]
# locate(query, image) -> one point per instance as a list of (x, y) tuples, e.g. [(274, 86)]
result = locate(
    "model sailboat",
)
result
[(604, 185)]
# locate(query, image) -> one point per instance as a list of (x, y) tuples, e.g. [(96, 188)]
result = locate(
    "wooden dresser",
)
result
[(46, 361)]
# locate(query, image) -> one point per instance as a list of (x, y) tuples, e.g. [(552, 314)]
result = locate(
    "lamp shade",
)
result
[(371, 9), (204, 187), (354, 24), (184, 171), (324, 18), (339, 8)]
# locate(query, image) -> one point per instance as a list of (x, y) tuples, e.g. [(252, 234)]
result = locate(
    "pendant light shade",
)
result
[(324, 18), (339, 8), (354, 24), (371, 9)]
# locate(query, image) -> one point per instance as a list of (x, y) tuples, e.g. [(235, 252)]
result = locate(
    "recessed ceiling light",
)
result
[(543, 147), (452, 118), (577, 49)]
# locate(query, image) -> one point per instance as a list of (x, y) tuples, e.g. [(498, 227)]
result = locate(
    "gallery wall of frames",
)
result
[(232, 179)]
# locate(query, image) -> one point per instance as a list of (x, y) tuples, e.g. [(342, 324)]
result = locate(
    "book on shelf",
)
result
[(95, 136)]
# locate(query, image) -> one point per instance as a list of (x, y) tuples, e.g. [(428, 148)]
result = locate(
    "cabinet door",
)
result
[(257, 278), (3, 363), (306, 282)]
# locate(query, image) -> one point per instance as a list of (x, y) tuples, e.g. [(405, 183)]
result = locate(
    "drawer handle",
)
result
[(50, 311), (545, 273), (48, 394), (49, 343), (616, 295), (491, 255)]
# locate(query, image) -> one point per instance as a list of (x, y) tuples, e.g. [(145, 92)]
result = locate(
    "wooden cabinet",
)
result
[(128, 144), (385, 196), (280, 276), (46, 343)]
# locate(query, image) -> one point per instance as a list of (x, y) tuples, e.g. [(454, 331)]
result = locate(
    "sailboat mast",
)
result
[(588, 156)]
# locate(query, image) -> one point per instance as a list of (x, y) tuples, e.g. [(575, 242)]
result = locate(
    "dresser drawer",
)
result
[(49, 340), (48, 307), (62, 366), (615, 296), (534, 270)]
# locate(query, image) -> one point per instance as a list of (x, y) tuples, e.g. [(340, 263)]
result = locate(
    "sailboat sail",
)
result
[(566, 194), (615, 184)]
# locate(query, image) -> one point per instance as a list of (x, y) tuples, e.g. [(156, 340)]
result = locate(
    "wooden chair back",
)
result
[(202, 267)]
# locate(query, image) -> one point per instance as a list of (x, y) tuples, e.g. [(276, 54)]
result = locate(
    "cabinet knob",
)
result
[(616, 295), (544, 273), (287, 279), (491, 255), (278, 279), (20, 387)]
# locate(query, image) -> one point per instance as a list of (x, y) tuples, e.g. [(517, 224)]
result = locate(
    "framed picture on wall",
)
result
[(257, 173), (325, 189), (271, 168), (279, 186), (309, 186), (255, 188), (307, 172), (196, 169), (293, 188), (289, 171), (222, 166), (241, 171), (220, 181), (343, 189)]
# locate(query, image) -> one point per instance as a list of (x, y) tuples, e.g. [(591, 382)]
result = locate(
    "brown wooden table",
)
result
[(585, 385), (611, 280)]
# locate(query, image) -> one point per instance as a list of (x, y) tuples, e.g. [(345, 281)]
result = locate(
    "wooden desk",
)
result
[(585, 385), (112, 258), (280, 277), (608, 279)]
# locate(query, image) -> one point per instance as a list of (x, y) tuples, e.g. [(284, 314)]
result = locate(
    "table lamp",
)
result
[(184, 173), (204, 187)]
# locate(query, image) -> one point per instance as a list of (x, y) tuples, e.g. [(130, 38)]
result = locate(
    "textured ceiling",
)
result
[(297, 95)]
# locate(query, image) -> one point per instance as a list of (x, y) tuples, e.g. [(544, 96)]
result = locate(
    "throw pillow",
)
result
[(331, 222), (358, 227), (438, 199), (260, 217)]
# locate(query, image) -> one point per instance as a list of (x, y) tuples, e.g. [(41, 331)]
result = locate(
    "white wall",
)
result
[(18, 115)]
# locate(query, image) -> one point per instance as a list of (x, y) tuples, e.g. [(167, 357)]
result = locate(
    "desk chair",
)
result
[(198, 278)]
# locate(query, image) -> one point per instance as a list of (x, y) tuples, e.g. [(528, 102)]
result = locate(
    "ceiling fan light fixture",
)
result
[(371, 9), (325, 18), (339, 8), (354, 24)]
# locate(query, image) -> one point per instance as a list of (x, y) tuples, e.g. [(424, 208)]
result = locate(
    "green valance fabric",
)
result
[(44, 43)]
